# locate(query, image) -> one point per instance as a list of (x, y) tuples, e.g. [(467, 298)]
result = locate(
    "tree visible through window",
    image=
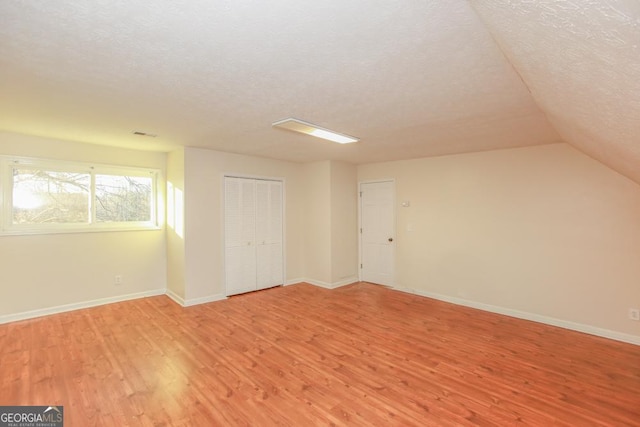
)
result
[(123, 198), (44, 196)]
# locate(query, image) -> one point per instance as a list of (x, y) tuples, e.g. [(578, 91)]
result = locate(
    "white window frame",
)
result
[(7, 227)]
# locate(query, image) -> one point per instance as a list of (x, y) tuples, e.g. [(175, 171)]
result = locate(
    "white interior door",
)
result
[(240, 235), (269, 234), (377, 235)]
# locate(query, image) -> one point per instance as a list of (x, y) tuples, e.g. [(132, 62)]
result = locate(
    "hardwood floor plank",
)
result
[(301, 355)]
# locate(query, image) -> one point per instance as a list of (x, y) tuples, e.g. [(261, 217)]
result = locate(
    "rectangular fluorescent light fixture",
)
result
[(301, 126)]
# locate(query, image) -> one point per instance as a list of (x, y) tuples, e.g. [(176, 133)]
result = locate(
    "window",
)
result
[(121, 198), (49, 196), (43, 196)]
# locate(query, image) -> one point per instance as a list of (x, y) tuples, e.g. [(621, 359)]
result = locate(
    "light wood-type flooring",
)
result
[(302, 356)]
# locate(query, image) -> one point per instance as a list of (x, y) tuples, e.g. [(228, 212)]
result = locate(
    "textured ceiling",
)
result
[(581, 61), (410, 78)]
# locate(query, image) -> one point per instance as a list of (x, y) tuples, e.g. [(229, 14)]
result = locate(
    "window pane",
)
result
[(123, 198), (41, 196)]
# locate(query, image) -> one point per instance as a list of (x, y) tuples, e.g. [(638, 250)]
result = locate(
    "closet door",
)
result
[(240, 235), (269, 234)]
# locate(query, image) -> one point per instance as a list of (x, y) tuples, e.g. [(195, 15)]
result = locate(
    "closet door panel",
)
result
[(240, 269), (263, 267), (262, 212), (276, 260), (240, 229), (248, 211), (275, 213), (269, 234)]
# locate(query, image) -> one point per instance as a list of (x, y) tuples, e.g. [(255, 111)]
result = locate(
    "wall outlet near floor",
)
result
[(634, 314), (117, 280)]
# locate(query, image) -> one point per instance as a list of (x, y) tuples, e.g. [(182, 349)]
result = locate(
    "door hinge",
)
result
[(360, 265), (361, 194), (361, 231)]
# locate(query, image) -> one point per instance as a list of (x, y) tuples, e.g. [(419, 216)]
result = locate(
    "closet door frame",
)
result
[(223, 275)]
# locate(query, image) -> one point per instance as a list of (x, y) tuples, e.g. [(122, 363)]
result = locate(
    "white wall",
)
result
[(42, 272), (544, 230), (204, 171)]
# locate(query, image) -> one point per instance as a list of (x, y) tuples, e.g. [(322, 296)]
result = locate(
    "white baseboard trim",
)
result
[(77, 306), (175, 297), (203, 300), (194, 301), (294, 281), (319, 283), (326, 285), (345, 282), (579, 327)]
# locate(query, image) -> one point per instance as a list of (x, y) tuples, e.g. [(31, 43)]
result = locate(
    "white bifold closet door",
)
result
[(269, 234), (253, 234)]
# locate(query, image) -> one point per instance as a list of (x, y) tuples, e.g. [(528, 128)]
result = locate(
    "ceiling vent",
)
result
[(151, 135)]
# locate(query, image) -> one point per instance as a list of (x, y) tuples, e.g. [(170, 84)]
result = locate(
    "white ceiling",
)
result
[(411, 78)]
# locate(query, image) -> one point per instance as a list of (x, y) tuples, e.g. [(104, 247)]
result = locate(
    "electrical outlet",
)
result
[(634, 314), (117, 280)]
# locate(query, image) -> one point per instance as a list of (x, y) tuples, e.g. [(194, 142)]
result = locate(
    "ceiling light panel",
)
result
[(307, 128)]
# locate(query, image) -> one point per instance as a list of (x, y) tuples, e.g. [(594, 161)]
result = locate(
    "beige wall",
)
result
[(31, 146), (204, 171), (331, 221), (317, 220), (39, 272), (344, 222), (175, 231), (544, 230), (320, 217)]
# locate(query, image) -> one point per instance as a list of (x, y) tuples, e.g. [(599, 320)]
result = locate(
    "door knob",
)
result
[(391, 239)]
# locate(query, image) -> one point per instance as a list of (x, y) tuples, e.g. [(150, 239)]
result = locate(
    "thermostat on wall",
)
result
[(405, 204)]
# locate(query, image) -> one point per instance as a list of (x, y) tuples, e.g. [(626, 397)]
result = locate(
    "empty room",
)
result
[(298, 213)]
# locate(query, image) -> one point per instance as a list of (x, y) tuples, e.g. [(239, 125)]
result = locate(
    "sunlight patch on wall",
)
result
[(175, 209)]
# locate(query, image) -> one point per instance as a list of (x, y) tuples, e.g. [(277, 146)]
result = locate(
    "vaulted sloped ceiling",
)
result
[(581, 61), (410, 78)]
